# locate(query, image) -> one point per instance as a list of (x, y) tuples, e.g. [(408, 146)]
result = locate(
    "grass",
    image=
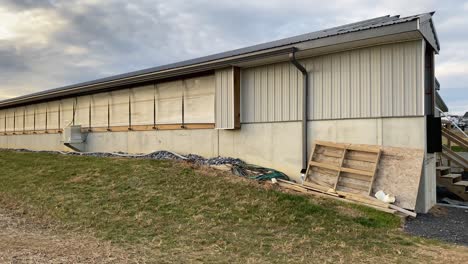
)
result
[(458, 149), (175, 212)]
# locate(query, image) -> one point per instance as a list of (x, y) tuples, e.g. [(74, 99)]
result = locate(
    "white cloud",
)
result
[(452, 68), (458, 107), (75, 50), (30, 26)]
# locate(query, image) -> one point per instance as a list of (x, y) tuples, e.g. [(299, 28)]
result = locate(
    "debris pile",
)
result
[(234, 165)]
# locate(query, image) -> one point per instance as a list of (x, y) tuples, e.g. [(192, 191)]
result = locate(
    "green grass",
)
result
[(459, 149), (173, 212)]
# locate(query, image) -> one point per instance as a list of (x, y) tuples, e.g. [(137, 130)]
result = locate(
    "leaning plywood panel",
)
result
[(119, 108), (143, 103), (169, 104), (199, 96), (99, 109), (399, 174)]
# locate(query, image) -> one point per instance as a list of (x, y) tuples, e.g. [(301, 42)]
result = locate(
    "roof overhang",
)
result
[(440, 103)]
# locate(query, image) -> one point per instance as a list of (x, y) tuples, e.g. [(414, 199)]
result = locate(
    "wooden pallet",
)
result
[(343, 167)]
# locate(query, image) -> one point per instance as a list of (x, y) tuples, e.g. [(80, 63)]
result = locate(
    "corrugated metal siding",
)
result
[(224, 113), (380, 81), (270, 93)]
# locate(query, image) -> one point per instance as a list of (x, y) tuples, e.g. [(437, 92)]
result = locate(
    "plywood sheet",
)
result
[(399, 174)]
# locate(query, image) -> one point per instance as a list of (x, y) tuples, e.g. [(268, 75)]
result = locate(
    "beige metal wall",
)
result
[(162, 103), (224, 98), (381, 81)]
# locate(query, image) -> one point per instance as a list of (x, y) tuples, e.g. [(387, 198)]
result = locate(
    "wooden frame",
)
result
[(366, 154)]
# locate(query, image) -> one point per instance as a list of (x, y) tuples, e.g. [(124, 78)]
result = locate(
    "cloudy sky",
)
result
[(51, 43)]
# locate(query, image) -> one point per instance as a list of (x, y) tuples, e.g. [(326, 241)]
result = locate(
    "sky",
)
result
[(46, 44)]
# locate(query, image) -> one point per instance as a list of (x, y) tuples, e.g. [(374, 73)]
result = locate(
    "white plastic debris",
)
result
[(386, 198), (302, 178)]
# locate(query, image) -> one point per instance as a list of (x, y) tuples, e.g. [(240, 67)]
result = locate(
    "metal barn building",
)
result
[(370, 82)]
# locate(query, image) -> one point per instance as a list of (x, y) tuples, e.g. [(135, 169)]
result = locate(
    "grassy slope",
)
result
[(173, 212)]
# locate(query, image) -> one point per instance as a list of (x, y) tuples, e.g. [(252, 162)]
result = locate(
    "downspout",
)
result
[(305, 84)]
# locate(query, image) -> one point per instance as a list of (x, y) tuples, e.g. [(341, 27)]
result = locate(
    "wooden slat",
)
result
[(401, 210), (341, 165), (454, 137), (360, 177), (365, 149), (352, 155), (348, 146), (349, 199), (353, 186), (376, 166), (331, 144), (335, 168), (331, 154), (310, 186), (310, 160)]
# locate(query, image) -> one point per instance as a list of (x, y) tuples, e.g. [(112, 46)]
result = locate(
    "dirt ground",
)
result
[(25, 242), (22, 241)]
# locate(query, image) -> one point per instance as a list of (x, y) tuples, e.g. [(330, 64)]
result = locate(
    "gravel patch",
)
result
[(443, 223)]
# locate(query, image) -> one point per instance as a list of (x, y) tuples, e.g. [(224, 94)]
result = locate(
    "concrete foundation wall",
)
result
[(274, 145)]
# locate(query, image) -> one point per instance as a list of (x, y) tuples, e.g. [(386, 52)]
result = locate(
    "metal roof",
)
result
[(340, 30)]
